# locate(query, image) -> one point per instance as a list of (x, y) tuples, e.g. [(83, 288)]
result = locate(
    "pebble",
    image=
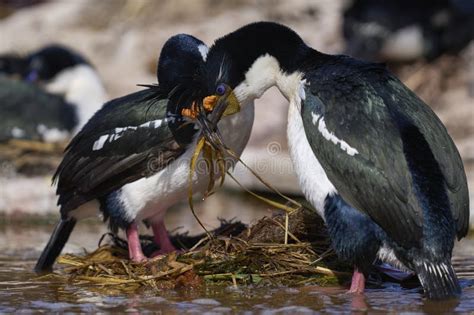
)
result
[(289, 310), (292, 291), (206, 302)]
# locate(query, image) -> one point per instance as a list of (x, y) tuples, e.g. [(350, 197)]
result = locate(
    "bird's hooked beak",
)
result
[(213, 108), (221, 105), (210, 111)]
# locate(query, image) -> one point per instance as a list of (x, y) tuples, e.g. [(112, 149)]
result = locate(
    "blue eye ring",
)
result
[(32, 76), (220, 89)]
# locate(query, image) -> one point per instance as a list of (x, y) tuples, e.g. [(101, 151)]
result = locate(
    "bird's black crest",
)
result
[(50, 60), (232, 55)]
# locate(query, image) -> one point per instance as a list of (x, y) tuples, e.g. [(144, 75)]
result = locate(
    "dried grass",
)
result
[(257, 255), (31, 157)]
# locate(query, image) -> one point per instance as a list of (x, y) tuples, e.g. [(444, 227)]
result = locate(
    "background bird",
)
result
[(59, 92), (29, 113), (132, 158), (370, 156), (408, 29)]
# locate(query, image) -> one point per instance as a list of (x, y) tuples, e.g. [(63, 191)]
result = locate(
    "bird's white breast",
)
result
[(311, 176), (82, 87), (150, 197)]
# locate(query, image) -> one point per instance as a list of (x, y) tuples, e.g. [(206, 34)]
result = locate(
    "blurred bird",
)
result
[(132, 158), (13, 66), (27, 112), (370, 156), (405, 30), (66, 93)]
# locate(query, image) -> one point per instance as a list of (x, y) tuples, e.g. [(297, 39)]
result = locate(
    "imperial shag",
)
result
[(66, 93), (370, 156), (404, 30), (132, 158), (28, 112)]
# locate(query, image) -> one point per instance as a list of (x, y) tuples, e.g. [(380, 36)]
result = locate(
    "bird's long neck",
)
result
[(268, 70)]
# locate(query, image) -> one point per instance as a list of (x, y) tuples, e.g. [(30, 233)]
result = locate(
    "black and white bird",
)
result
[(27, 112), (405, 30), (372, 158), (132, 159), (59, 92)]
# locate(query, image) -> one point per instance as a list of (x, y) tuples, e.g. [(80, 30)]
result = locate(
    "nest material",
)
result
[(257, 255), (31, 157)]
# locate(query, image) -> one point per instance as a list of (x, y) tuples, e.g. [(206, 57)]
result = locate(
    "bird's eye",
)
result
[(32, 76), (220, 90)]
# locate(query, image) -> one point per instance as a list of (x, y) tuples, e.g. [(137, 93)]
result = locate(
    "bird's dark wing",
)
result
[(129, 138), (26, 111), (441, 145), (352, 125)]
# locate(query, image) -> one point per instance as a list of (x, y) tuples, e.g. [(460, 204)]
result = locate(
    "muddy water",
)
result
[(20, 291)]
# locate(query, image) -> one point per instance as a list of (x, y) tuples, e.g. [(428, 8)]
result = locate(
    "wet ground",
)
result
[(20, 244)]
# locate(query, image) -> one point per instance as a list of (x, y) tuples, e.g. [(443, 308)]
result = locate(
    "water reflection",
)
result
[(17, 291)]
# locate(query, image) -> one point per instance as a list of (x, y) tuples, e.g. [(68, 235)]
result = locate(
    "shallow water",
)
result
[(20, 244), (20, 291)]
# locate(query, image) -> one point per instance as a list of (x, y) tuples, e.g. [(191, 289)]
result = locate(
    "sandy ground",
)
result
[(123, 39)]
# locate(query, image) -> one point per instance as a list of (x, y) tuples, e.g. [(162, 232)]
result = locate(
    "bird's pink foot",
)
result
[(358, 282), (134, 247), (162, 239)]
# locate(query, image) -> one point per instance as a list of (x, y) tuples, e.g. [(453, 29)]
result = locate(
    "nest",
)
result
[(285, 249), (30, 157)]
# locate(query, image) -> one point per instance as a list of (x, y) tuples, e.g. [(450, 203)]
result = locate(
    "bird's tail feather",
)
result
[(439, 280), (58, 239)]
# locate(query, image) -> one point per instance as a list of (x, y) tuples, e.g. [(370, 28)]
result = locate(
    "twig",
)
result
[(289, 233)]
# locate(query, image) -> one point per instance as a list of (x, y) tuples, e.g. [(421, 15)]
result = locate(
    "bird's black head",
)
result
[(13, 65), (179, 71), (232, 56), (46, 63), (248, 61), (181, 60)]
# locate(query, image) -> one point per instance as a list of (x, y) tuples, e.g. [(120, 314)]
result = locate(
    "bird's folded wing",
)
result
[(357, 144), (127, 140), (442, 147)]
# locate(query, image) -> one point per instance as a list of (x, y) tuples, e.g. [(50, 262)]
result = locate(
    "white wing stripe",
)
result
[(328, 135), (118, 132), (99, 143)]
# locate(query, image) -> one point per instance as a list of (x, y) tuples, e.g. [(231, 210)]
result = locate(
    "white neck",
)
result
[(264, 73), (82, 87)]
